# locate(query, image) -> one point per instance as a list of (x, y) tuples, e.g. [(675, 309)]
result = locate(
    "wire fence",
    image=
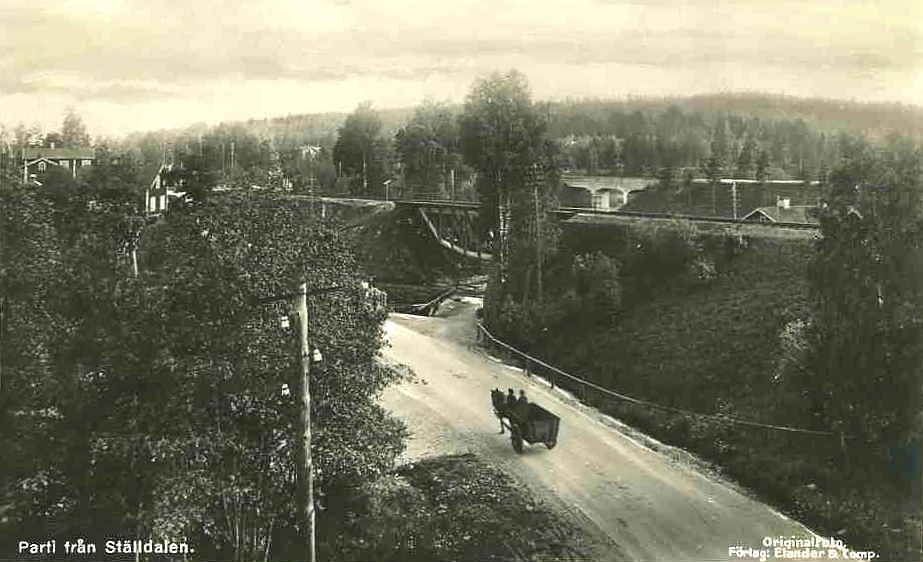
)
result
[(595, 396)]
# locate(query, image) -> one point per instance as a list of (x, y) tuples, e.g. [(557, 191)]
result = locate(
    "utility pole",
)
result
[(232, 160), (538, 236), (365, 177), (304, 470), (734, 198)]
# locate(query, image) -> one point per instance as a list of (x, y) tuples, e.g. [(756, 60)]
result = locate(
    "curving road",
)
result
[(635, 503)]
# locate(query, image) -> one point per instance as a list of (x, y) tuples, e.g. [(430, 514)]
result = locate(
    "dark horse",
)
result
[(498, 399)]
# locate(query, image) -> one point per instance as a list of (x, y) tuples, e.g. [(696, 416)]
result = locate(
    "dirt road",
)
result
[(638, 503)]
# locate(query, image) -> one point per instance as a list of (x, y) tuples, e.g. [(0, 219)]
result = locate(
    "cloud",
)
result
[(136, 52)]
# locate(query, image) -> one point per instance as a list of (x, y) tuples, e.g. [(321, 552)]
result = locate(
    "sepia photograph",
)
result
[(461, 281)]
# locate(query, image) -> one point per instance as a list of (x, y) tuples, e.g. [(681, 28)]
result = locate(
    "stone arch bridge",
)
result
[(600, 192)]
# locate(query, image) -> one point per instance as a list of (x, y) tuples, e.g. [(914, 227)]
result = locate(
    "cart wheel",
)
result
[(551, 444), (516, 439)]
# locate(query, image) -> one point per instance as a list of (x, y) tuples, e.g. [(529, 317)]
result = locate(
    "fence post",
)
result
[(527, 369)]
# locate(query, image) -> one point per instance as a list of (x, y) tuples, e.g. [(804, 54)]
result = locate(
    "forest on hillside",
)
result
[(747, 136), (750, 136)]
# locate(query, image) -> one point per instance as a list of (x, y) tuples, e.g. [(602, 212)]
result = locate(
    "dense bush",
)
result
[(158, 409), (600, 272), (597, 289), (867, 287), (448, 508)]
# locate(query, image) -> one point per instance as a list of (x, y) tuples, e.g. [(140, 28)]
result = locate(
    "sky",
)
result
[(135, 65)]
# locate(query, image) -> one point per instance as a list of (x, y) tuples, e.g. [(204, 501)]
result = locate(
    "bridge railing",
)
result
[(440, 196)]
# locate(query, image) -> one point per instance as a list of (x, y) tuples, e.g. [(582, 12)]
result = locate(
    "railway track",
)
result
[(571, 211), (697, 218)]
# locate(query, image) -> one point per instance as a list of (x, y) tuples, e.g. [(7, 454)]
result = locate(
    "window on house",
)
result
[(86, 162), (41, 166)]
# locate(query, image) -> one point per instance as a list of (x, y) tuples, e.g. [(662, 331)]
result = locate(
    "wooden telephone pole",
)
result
[(537, 178), (304, 471)]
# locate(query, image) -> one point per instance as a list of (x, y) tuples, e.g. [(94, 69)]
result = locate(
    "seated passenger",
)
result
[(522, 405), (510, 400)]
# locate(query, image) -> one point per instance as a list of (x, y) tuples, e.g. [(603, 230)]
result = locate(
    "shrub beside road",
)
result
[(451, 507)]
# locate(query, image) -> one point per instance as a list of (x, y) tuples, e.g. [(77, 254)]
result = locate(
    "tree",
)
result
[(762, 166), (308, 169), (195, 176), (597, 287), (745, 160), (501, 138), (238, 248), (73, 132), (21, 136), (592, 166), (85, 289), (357, 152), (53, 139), (30, 273), (721, 140), (533, 231), (609, 155), (428, 147), (714, 165), (866, 330), (162, 411)]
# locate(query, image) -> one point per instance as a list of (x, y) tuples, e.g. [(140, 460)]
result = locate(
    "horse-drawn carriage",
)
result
[(527, 422)]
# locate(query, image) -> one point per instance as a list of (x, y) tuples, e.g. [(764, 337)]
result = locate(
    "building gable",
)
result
[(759, 215), (42, 160)]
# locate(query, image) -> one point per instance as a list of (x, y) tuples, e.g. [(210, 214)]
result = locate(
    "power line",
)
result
[(640, 402)]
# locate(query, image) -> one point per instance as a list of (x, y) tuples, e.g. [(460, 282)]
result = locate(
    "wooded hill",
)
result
[(756, 136), (600, 116)]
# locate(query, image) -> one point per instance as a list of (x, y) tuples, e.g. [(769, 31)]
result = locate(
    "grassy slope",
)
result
[(452, 508), (716, 350), (712, 339), (698, 198)]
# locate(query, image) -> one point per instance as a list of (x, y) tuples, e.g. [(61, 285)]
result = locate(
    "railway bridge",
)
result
[(454, 224)]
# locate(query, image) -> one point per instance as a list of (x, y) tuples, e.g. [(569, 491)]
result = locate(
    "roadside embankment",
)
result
[(730, 346)]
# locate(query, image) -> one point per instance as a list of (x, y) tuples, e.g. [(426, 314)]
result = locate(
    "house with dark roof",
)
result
[(804, 214), (155, 190), (157, 187), (37, 161)]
